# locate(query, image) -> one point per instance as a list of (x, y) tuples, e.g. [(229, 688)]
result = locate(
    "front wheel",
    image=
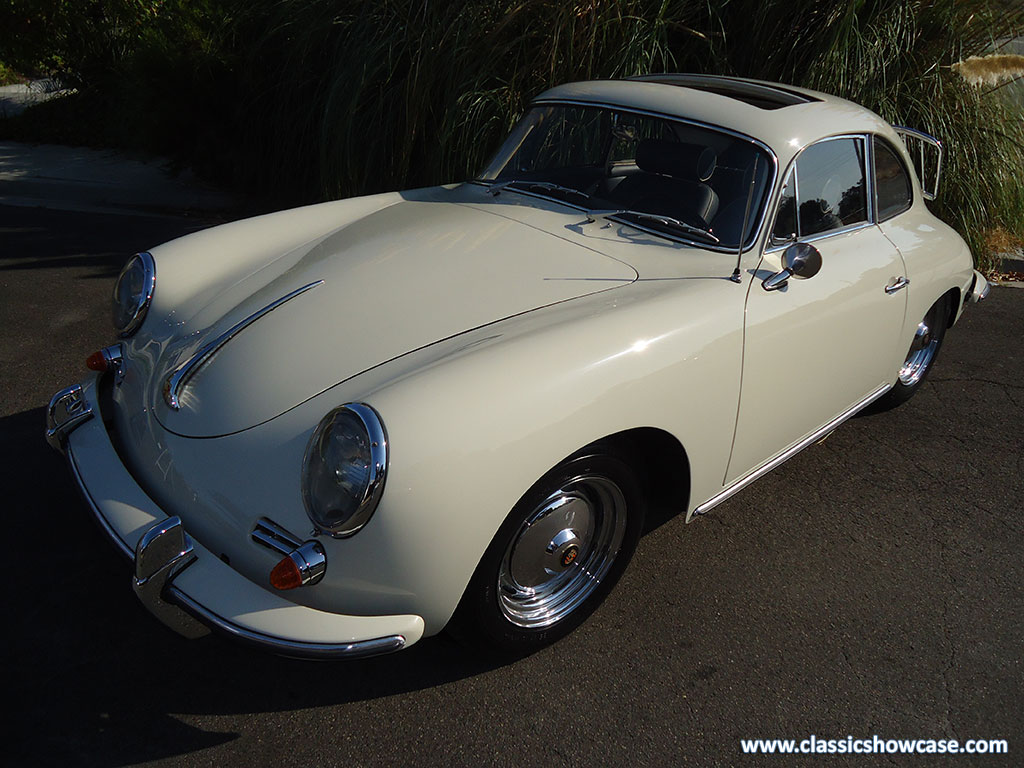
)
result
[(555, 558), (920, 358)]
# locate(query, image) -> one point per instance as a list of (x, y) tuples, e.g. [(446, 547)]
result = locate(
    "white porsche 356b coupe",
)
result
[(334, 430)]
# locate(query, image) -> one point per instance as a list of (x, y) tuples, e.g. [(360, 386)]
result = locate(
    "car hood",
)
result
[(391, 282)]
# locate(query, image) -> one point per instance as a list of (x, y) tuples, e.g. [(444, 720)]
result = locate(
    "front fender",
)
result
[(472, 422)]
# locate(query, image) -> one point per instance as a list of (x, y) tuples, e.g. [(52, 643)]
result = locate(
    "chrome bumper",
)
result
[(165, 552), (980, 288)]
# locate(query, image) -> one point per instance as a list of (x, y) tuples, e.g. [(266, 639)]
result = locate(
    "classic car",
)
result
[(335, 430)]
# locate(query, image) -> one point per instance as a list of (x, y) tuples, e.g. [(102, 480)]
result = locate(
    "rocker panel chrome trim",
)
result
[(789, 453)]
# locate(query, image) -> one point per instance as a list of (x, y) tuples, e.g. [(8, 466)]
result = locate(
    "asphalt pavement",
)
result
[(871, 585)]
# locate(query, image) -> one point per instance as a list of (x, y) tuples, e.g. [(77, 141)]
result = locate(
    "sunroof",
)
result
[(755, 94)]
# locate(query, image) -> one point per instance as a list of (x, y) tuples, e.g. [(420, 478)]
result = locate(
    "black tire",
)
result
[(921, 357), (569, 538)]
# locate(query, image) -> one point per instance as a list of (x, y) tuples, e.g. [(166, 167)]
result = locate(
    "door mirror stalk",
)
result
[(801, 260)]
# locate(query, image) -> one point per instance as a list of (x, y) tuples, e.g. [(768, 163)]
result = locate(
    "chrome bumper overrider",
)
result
[(172, 570), (67, 410)]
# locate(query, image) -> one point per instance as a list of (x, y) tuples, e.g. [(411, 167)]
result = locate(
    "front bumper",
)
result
[(181, 582)]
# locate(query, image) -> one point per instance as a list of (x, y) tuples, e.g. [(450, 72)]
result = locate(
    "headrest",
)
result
[(673, 158)]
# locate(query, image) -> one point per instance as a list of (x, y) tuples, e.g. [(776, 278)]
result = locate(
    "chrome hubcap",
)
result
[(563, 550), (922, 351)]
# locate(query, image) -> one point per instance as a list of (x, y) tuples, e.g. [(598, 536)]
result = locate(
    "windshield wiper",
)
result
[(547, 186), (667, 221)]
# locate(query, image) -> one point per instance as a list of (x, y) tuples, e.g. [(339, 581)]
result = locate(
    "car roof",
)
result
[(784, 117)]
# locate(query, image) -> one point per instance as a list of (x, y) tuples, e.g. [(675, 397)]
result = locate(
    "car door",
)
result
[(818, 346)]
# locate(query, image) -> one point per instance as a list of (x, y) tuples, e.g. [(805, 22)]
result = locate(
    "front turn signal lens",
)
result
[(286, 574), (304, 565), (96, 361)]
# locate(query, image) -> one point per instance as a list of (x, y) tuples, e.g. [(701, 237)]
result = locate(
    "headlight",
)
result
[(132, 293), (344, 468)]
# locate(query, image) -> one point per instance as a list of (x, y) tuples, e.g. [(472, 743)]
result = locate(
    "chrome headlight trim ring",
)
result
[(378, 468), (145, 298)]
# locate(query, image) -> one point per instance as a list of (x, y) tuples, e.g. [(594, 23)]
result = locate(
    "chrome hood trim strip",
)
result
[(180, 376)]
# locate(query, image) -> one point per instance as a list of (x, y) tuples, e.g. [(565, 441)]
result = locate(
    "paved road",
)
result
[(872, 585)]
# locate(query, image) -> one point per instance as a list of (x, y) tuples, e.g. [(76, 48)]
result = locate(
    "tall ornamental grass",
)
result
[(307, 99)]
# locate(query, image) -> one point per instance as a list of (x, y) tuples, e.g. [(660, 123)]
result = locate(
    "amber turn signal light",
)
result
[(97, 361), (286, 574)]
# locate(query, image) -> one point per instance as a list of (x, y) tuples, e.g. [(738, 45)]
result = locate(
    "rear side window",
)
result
[(893, 193)]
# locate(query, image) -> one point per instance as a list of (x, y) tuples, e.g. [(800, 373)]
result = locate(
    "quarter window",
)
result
[(893, 193), (785, 220)]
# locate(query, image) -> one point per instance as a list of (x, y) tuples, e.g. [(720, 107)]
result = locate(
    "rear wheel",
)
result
[(555, 558), (924, 349)]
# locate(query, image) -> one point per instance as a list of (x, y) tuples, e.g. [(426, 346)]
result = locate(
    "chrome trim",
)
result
[(821, 236), (977, 293), (273, 536), (769, 187), (789, 453), (113, 356), (923, 138), (900, 283), (869, 179), (778, 280), (295, 648), (378, 470), (311, 561), (309, 556), (181, 375), (149, 281), (164, 551), (67, 411)]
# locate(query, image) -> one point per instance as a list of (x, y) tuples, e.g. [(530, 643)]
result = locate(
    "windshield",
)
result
[(661, 174)]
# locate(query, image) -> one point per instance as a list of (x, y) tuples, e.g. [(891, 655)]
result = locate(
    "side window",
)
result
[(893, 193), (832, 194)]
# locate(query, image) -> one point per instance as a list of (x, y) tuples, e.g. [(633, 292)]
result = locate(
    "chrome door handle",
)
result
[(901, 282)]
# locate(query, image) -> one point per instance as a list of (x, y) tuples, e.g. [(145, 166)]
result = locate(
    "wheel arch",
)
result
[(955, 299), (658, 459)]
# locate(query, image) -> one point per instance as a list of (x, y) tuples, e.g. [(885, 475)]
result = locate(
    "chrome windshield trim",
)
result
[(789, 453), (181, 375)]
